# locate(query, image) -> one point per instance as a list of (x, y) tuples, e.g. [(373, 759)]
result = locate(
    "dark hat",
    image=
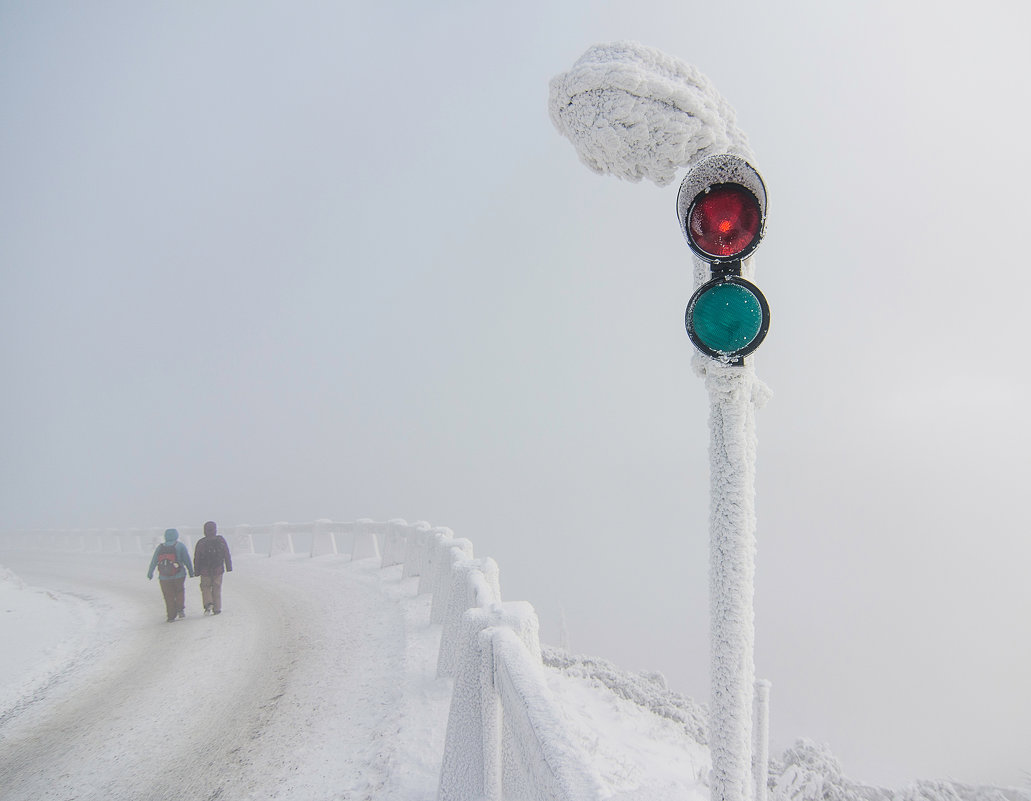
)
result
[(210, 528)]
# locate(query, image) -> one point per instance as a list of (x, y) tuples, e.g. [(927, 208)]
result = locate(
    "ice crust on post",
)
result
[(733, 400), (635, 112)]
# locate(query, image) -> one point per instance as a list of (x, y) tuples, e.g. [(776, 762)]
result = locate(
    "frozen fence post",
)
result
[(132, 541), (450, 552), (152, 538), (491, 720), (365, 544), (243, 540), (188, 536), (109, 541), (761, 759), (416, 546), (435, 546), (463, 770), (540, 759), (282, 541), (474, 584), (394, 543), (322, 539)]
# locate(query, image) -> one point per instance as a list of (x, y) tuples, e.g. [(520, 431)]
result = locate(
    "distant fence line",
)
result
[(359, 539), (505, 737)]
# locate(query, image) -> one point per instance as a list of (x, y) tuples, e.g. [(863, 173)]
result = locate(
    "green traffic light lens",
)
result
[(728, 317)]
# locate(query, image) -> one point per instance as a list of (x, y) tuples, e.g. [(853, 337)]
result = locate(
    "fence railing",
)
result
[(505, 738)]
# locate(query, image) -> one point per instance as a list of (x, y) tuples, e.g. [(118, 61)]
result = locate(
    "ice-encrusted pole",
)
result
[(635, 112), (734, 394), (761, 757)]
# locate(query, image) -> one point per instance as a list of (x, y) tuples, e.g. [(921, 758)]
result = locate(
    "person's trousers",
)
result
[(174, 590), (211, 591)]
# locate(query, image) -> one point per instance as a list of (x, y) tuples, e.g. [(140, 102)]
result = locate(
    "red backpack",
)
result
[(168, 560)]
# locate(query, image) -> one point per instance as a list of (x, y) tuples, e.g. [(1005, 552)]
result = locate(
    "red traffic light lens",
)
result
[(724, 221)]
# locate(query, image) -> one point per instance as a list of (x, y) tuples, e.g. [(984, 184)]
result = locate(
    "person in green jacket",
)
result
[(172, 561)]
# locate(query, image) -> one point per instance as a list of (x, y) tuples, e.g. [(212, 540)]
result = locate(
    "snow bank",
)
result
[(646, 690), (51, 630), (634, 112), (808, 771), (645, 741)]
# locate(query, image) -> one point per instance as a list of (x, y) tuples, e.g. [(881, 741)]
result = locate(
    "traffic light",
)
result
[(722, 210)]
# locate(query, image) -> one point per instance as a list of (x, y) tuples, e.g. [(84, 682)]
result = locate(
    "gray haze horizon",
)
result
[(265, 262)]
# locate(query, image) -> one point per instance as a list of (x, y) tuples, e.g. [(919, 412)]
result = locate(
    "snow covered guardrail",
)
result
[(505, 737)]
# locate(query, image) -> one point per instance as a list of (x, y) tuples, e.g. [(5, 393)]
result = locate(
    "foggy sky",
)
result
[(268, 261)]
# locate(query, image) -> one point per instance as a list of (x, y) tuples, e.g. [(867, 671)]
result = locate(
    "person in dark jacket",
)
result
[(212, 560), (172, 560)]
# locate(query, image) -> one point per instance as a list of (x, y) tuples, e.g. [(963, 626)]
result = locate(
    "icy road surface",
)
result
[(295, 691)]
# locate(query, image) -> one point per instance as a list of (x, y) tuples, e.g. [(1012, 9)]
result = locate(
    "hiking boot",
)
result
[(209, 608), (216, 611), (181, 615)]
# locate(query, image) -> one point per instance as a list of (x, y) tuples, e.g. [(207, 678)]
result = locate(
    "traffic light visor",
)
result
[(722, 209)]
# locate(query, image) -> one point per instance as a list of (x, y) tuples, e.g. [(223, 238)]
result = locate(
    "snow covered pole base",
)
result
[(761, 761), (734, 395)]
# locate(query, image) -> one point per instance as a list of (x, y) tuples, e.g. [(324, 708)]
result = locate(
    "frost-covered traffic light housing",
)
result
[(722, 210)]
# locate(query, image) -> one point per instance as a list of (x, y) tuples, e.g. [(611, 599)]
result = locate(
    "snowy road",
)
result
[(298, 690), (317, 682)]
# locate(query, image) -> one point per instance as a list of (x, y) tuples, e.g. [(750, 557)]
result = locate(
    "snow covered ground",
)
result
[(318, 681)]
